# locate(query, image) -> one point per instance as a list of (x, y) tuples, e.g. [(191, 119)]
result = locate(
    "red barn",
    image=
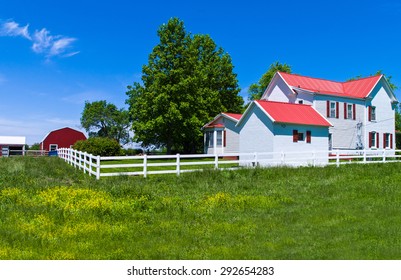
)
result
[(61, 138)]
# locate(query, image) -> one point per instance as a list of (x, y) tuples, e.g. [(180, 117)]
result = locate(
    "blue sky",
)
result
[(56, 55)]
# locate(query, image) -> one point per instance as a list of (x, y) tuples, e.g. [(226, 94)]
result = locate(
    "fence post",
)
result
[(364, 156), (178, 165), (314, 158), (338, 158), (216, 161), (145, 167), (255, 159), (85, 157), (97, 167), (282, 157), (384, 155)]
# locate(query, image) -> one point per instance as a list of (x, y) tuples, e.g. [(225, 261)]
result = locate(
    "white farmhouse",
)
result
[(221, 134), (269, 129), (361, 111)]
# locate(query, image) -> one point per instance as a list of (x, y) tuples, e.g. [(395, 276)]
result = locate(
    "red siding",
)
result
[(64, 138)]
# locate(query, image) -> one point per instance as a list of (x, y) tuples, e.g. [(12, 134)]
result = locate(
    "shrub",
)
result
[(99, 146), (398, 140)]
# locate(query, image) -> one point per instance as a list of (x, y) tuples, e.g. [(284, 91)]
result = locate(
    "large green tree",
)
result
[(103, 119), (256, 90), (188, 80)]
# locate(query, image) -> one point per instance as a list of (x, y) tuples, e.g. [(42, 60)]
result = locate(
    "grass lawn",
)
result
[(49, 210)]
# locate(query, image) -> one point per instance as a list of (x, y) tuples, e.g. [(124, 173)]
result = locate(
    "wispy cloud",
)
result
[(42, 41), (11, 28)]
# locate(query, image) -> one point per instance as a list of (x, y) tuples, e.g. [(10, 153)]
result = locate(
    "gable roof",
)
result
[(64, 128), (232, 116), (281, 112), (360, 88)]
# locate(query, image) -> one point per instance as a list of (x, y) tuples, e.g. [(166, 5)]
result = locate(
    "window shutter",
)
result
[(295, 136), (224, 138), (353, 111), (308, 136), (337, 109), (345, 111), (391, 141), (384, 140), (370, 113), (377, 139), (328, 108), (370, 139)]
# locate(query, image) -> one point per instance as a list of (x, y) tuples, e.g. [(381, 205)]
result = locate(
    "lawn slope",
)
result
[(49, 210)]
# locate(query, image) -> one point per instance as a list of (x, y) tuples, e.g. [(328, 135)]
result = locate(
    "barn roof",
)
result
[(63, 128), (360, 88), (282, 112)]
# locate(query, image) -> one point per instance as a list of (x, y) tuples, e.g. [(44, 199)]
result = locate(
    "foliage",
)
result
[(188, 80), (49, 210), (102, 119), (398, 140), (101, 146), (35, 146), (256, 90)]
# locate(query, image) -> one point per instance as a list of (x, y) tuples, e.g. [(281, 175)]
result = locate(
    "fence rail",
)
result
[(176, 164)]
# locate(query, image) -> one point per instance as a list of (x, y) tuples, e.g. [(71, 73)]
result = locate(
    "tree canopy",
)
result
[(102, 119), (188, 80), (256, 90)]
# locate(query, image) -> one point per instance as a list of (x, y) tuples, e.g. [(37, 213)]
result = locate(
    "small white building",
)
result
[(221, 135), (12, 145), (271, 130)]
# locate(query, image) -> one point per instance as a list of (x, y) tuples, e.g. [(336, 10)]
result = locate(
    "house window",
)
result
[(373, 139), (332, 109), (211, 139), (387, 140), (53, 147), (350, 111), (298, 136), (372, 113), (301, 136), (219, 138)]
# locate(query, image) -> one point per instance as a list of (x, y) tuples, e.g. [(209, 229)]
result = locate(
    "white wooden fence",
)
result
[(177, 164)]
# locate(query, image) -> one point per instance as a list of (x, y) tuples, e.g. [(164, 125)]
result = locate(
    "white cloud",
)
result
[(50, 45), (11, 28), (42, 41)]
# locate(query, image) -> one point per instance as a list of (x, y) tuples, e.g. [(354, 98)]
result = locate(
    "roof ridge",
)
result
[(282, 102), (304, 76), (323, 79), (364, 78)]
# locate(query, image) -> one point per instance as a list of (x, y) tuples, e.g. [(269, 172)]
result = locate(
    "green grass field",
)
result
[(49, 210)]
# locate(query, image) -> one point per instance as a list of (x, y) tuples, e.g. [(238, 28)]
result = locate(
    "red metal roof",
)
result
[(233, 115), (282, 112), (356, 89)]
